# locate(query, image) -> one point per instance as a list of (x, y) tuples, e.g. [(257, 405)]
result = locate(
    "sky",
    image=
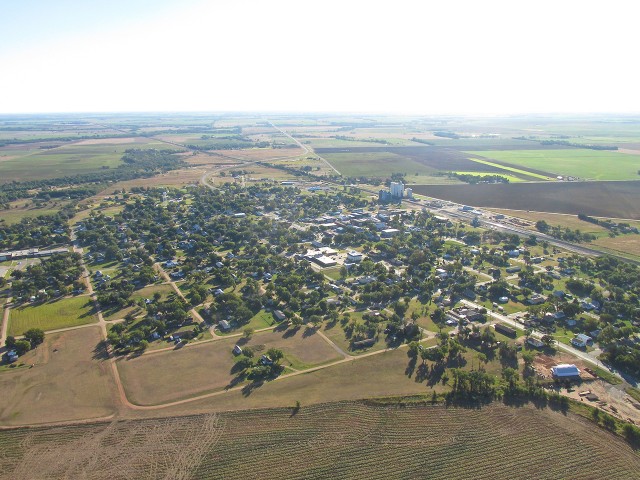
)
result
[(400, 56)]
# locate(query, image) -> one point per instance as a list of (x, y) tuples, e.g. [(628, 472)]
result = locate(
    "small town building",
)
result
[(354, 257), (565, 370), (581, 340)]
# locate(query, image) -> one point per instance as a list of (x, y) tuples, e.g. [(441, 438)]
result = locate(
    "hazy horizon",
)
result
[(407, 58)]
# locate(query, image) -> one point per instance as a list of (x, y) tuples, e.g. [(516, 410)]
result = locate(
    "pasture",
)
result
[(599, 199), (208, 367), (143, 293), (577, 162), (338, 440), (66, 383), (30, 161), (26, 209), (51, 315)]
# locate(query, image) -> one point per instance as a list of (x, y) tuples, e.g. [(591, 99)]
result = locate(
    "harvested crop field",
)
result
[(600, 199), (340, 440), (401, 159)]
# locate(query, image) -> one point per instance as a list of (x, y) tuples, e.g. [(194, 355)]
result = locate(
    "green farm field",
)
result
[(582, 163), (68, 312), (30, 162)]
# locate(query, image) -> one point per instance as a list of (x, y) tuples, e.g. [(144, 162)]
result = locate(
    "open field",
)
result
[(26, 209), (29, 161), (338, 440), (527, 174), (380, 374), (198, 369), (600, 199), (382, 161), (143, 293), (66, 383), (623, 244), (563, 220), (582, 163), (67, 312)]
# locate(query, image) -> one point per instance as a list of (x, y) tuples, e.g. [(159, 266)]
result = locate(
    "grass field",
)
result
[(554, 219), (339, 440), (26, 209), (626, 244), (27, 162), (68, 312), (198, 369), (143, 293), (65, 384), (524, 173), (582, 163)]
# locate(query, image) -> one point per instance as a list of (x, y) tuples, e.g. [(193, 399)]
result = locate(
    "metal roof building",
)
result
[(565, 370)]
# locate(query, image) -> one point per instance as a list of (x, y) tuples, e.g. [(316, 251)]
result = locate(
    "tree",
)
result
[(34, 336), (511, 376), (247, 332), (21, 347), (10, 342), (275, 354)]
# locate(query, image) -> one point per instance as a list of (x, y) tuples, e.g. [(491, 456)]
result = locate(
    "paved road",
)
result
[(306, 150), (537, 334)]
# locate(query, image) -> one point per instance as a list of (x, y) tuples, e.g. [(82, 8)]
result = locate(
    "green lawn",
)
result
[(68, 312), (583, 163)]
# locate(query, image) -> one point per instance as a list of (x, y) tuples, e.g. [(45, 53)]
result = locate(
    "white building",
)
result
[(354, 257), (409, 193), (565, 370), (397, 189)]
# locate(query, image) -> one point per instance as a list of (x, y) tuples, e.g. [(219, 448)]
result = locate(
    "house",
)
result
[(514, 269), (565, 370), (237, 350), (503, 299), (536, 299), (581, 340), (279, 315), (218, 291), (12, 356), (534, 342), (224, 325)]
